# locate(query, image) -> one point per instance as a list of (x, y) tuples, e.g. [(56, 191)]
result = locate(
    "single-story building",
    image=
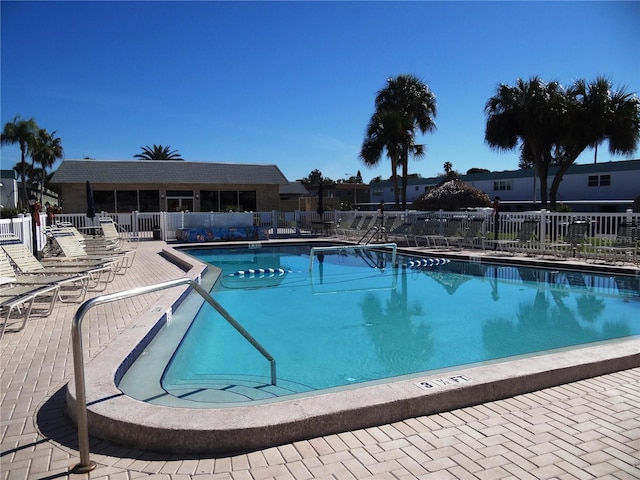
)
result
[(122, 186), (290, 196)]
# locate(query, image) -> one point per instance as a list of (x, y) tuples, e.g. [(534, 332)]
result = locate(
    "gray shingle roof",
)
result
[(166, 171), (293, 188)]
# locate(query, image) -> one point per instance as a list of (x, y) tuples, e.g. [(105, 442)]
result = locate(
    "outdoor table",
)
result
[(323, 226)]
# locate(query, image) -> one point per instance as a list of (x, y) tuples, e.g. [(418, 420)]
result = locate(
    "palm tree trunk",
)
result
[(394, 180), (565, 164), (24, 198), (543, 171), (542, 160), (405, 174)]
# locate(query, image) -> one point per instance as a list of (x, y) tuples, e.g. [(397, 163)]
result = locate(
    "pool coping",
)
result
[(121, 419)]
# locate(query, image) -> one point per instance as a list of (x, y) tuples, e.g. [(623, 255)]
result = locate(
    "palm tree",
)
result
[(530, 114), (158, 152), (47, 148), (21, 132), (407, 104), (595, 99), (594, 114), (384, 132)]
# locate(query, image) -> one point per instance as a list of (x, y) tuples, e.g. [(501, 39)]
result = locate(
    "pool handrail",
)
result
[(86, 465), (361, 246)]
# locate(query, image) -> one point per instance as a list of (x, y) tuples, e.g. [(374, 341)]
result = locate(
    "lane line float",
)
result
[(260, 271), (427, 262)]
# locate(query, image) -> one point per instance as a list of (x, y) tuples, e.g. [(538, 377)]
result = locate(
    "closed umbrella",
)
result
[(320, 202), (91, 208)]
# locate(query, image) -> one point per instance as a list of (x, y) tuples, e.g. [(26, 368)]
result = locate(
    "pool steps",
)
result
[(232, 389)]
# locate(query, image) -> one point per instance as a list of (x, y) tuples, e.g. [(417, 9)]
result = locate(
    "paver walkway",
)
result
[(583, 430)]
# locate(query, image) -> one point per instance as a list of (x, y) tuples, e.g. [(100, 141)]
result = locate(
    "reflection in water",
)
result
[(400, 333), (590, 307), (453, 275), (548, 321)]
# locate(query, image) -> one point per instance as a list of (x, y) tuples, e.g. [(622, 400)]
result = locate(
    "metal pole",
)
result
[(86, 465)]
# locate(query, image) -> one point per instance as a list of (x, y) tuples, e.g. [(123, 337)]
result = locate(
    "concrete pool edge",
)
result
[(126, 421)]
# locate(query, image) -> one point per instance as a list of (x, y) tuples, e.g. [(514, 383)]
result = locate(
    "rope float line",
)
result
[(417, 263), (427, 262), (260, 271)]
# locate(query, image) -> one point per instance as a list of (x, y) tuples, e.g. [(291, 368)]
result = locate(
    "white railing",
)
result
[(22, 227), (139, 224), (604, 227)]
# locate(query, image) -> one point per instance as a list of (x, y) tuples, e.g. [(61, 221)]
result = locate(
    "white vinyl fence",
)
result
[(164, 225), (22, 227)]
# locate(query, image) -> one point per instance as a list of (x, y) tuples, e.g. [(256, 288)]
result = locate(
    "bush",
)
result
[(561, 207), (9, 212)]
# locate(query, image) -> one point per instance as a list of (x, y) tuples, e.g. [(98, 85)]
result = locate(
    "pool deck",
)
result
[(584, 429)]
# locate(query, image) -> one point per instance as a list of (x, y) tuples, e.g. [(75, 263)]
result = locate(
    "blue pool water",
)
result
[(354, 318)]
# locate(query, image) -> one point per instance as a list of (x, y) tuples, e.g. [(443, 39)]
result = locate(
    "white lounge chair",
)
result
[(18, 303)]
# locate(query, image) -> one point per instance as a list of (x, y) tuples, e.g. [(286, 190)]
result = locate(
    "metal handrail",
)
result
[(86, 465), (371, 246), (372, 230)]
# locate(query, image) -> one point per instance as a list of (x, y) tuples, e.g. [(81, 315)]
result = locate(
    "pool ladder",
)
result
[(86, 465), (372, 232)]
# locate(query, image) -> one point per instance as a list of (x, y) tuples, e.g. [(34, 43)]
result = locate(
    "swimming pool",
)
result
[(168, 425), (354, 318)]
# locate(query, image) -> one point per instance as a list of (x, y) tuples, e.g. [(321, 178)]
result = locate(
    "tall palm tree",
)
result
[(595, 113), (384, 132), (595, 100), (530, 114), (21, 132), (158, 152), (412, 101), (46, 150)]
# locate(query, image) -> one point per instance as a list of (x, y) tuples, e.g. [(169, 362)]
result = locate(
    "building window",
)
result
[(209, 201), (248, 201), (502, 185), (229, 201), (126, 201), (179, 193), (378, 192), (149, 200), (104, 201), (599, 180)]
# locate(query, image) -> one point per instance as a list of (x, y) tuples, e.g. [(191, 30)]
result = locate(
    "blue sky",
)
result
[(292, 83)]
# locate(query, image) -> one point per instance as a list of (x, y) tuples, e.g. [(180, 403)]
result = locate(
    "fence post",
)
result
[(543, 226), (25, 230), (296, 217), (134, 221), (441, 227), (274, 221), (163, 226)]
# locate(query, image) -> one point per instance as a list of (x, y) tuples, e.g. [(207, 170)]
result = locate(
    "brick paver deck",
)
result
[(587, 429)]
